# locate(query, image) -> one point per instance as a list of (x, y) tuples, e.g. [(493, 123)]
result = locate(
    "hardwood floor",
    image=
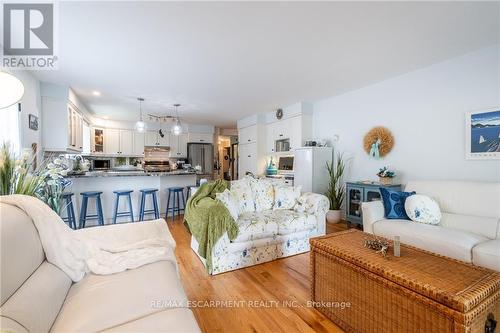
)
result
[(279, 291)]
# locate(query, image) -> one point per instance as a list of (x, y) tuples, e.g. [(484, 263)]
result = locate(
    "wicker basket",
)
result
[(385, 180), (413, 293)]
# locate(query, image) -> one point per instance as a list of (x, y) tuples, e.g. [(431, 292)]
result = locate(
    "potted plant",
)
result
[(385, 176), (46, 182), (336, 189)]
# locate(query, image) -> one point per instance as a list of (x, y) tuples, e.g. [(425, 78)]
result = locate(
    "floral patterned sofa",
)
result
[(274, 220)]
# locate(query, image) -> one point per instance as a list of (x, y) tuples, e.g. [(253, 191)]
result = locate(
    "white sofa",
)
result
[(36, 296), (269, 234), (469, 229)]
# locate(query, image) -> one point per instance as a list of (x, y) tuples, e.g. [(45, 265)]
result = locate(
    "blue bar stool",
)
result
[(83, 212), (67, 198), (175, 193), (143, 210), (130, 212)]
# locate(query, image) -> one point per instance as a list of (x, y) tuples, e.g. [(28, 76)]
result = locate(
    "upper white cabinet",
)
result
[(139, 142), (178, 145), (62, 126), (296, 129), (248, 134), (201, 138), (153, 138), (119, 142), (112, 141), (127, 142)]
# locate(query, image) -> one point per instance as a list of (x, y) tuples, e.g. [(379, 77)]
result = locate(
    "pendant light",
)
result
[(11, 90), (140, 126), (177, 128)]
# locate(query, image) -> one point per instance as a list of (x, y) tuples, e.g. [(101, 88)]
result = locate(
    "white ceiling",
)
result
[(224, 61)]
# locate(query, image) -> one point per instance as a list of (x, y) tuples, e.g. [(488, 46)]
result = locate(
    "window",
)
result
[(9, 127)]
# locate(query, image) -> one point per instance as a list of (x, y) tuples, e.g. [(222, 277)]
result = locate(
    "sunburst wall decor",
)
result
[(378, 142)]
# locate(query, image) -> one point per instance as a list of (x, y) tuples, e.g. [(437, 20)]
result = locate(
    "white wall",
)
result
[(425, 110), (30, 104)]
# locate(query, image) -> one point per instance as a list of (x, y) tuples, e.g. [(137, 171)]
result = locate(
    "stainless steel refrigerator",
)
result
[(202, 154)]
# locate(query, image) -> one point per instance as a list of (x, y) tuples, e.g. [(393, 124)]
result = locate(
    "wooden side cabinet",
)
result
[(358, 192)]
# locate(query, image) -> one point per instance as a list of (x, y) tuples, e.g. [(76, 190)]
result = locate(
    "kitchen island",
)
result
[(109, 181)]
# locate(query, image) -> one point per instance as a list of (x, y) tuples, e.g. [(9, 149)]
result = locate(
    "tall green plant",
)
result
[(15, 175), (336, 190)]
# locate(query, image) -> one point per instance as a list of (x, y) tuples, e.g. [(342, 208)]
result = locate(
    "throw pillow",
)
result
[(228, 199), (243, 193), (394, 203), (263, 194), (422, 209), (285, 197)]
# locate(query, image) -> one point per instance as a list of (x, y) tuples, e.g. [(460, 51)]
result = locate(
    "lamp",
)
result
[(11, 90), (177, 128), (140, 126)]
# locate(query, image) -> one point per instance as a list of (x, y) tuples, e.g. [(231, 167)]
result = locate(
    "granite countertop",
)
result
[(138, 173)]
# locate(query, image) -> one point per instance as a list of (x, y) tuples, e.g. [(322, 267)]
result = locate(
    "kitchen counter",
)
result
[(109, 181), (139, 173)]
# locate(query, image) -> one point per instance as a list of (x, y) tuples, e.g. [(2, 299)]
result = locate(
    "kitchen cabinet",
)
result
[(153, 138), (247, 154), (119, 142), (97, 137), (201, 138), (126, 142), (294, 132), (87, 139), (294, 129), (112, 141), (247, 134), (139, 142), (62, 126), (178, 146), (271, 134)]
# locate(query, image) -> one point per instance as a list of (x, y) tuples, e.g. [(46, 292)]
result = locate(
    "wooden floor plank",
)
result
[(284, 280)]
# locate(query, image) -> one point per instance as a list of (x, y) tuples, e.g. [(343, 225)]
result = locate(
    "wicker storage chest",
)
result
[(361, 291)]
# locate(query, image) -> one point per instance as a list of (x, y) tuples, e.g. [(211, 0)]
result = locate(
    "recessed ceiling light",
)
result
[(96, 93)]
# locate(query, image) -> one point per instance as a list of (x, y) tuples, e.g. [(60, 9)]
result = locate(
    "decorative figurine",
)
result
[(377, 244)]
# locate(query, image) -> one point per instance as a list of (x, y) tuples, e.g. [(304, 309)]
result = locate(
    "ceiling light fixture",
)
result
[(140, 126), (11, 90), (96, 93), (176, 128)]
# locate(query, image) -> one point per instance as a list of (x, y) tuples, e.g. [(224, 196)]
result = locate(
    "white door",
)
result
[(151, 138), (126, 142), (280, 130), (86, 138), (178, 145), (294, 128), (247, 159), (79, 131), (271, 130), (200, 137), (165, 140), (247, 134), (112, 141), (139, 139), (303, 169)]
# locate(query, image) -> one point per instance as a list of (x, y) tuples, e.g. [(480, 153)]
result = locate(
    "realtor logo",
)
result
[(28, 36)]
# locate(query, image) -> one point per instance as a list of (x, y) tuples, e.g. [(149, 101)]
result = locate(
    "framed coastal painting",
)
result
[(482, 134)]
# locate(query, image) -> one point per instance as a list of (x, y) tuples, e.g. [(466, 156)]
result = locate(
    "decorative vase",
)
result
[(333, 216), (385, 180)]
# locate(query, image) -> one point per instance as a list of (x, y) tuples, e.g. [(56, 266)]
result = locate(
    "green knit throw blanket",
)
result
[(208, 219)]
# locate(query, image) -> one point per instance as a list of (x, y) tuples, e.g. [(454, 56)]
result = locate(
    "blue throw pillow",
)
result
[(394, 203)]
